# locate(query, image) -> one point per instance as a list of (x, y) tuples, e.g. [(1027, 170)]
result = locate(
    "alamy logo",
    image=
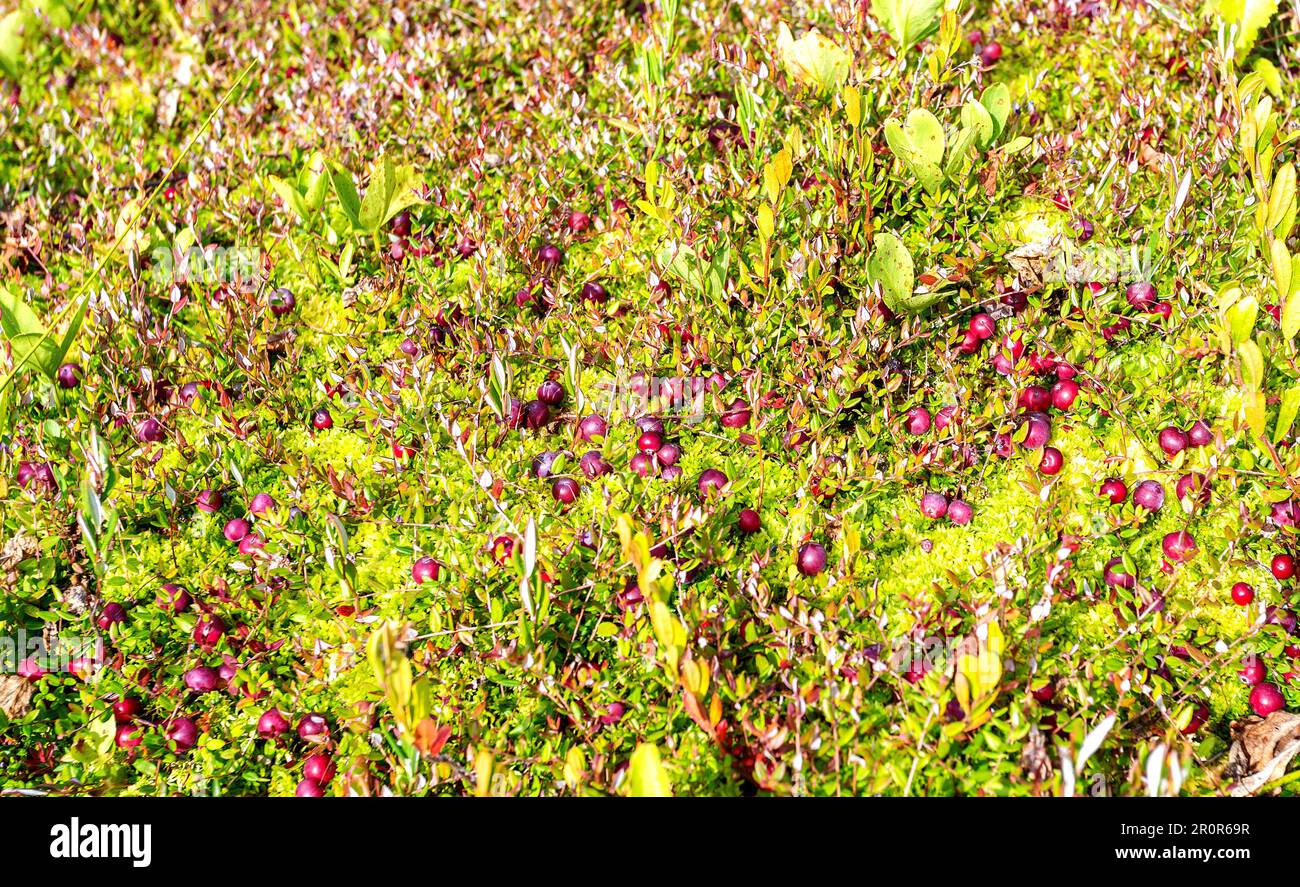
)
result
[(90, 841)]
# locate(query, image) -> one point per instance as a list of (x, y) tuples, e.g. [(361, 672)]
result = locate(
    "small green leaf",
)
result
[(347, 194), (976, 117), (1241, 319), (646, 775), (1252, 365), (907, 21), (1286, 413), (997, 101)]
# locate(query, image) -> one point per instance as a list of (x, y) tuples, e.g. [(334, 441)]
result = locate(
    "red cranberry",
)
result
[(262, 504), (127, 709), (536, 415), (202, 679), (594, 292), (1051, 461), (1037, 431), (1173, 441), (321, 420), (991, 53), (272, 724), (711, 479), (1141, 295), (934, 505), (208, 631), (811, 559), (1266, 699), (1252, 671), (129, 736), (68, 375), (150, 431), (551, 393), (550, 255), (112, 614), (1283, 567), (424, 570), (593, 464), (282, 302), (917, 420), (565, 490), (1114, 490), (209, 501), (309, 788), (737, 415), (1035, 398), (1242, 594), (182, 734), (1178, 546), (173, 597), (642, 464), (1149, 495), (591, 428), (960, 512), (1064, 394), (1200, 715), (1115, 574), (319, 767), (983, 326), (649, 442), (313, 727), (749, 521), (1193, 484), (1200, 434)]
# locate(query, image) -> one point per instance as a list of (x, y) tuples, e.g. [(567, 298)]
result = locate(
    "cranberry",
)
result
[(1114, 490)]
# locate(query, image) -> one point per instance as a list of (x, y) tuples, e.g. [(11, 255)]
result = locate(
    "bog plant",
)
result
[(679, 400)]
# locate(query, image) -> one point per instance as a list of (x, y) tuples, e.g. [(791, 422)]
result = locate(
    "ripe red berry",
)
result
[(565, 490), (1252, 671), (649, 442), (1035, 398), (1242, 594), (1266, 699), (272, 724), (1178, 546), (983, 326), (1141, 295), (321, 420), (1051, 461), (1064, 394), (1114, 490), (917, 420), (811, 559), (1283, 567), (960, 512), (749, 521), (1149, 494), (711, 479), (424, 570), (934, 505), (1173, 441)]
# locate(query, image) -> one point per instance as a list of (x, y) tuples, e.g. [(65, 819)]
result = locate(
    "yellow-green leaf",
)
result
[(1281, 195), (647, 777), (766, 222), (1241, 319), (1291, 315), (1286, 413), (1252, 365), (1281, 269), (813, 60)]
